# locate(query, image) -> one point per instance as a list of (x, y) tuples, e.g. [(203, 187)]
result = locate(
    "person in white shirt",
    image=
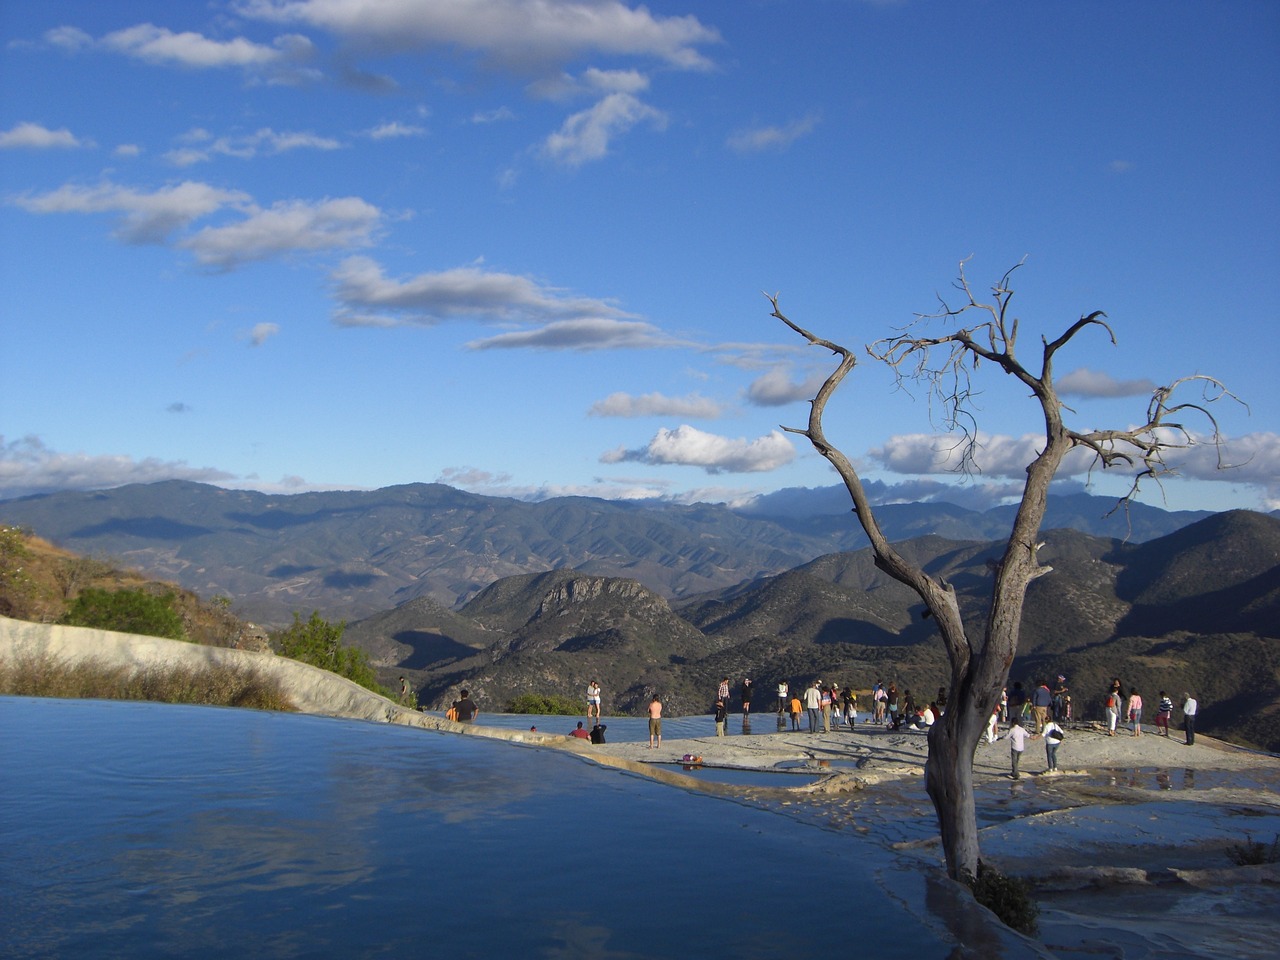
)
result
[(1018, 738), (783, 695), (1053, 735), (1189, 708)]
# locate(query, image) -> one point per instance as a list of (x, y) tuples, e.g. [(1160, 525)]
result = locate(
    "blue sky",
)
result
[(520, 247)]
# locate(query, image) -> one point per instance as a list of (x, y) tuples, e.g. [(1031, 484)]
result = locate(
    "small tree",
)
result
[(318, 642), (980, 660)]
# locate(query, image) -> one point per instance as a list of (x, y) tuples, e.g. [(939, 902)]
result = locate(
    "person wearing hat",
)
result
[(1060, 697)]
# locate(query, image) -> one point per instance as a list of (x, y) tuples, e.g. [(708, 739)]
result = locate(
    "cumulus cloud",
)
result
[(688, 446), (159, 45), (33, 136), (28, 467), (368, 297), (776, 388), (286, 227), (522, 34), (757, 139), (586, 135), (656, 405), (145, 217), (200, 146), (1092, 383)]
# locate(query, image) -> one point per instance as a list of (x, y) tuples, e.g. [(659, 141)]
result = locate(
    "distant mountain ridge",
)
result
[(350, 554)]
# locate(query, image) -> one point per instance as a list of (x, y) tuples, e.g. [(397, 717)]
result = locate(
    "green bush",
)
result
[(1007, 897), (318, 642), (545, 705), (126, 611), (1254, 852)]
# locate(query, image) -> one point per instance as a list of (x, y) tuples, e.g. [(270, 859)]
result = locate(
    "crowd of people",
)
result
[(1041, 713)]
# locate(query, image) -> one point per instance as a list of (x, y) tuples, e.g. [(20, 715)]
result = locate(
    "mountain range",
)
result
[(349, 554)]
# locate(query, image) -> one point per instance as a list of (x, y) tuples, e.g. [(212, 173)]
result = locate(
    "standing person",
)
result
[(747, 690), (1018, 738), (812, 703), (1041, 701), (655, 721), (722, 692), (837, 717), (795, 707), (878, 700), (850, 705), (406, 693), (1004, 704), (1060, 697), (1135, 712), (1163, 712), (993, 725), (722, 716), (465, 709), (1113, 708), (1053, 736), (824, 703), (1189, 710), (784, 697), (593, 699)]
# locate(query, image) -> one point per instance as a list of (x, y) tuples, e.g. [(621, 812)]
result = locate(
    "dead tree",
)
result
[(946, 364)]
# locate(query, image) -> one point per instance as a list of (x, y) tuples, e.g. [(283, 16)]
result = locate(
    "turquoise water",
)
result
[(145, 830)]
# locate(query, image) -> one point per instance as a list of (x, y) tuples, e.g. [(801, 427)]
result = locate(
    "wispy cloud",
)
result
[(159, 45), (368, 297), (200, 146), (760, 138), (586, 135), (287, 227), (146, 217), (688, 446)]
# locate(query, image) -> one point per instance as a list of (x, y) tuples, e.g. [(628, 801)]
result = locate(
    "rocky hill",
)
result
[(841, 619), (351, 554)]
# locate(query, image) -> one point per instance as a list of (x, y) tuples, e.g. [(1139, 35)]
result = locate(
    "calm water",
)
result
[(143, 830)]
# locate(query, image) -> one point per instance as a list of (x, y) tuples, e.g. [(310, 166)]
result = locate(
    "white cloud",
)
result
[(997, 455), (656, 405), (1092, 383), (146, 217), (287, 227), (394, 130), (586, 135), (127, 150), (525, 34), (27, 467), (68, 38), (262, 332), (688, 446), (757, 139), (776, 388), (33, 136), (367, 297), (493, 116), (159, 45)]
